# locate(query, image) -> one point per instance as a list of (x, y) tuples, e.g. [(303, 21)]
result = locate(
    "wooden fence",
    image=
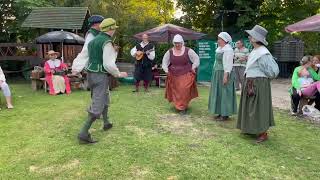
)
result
[(18, 52), (36, 53)]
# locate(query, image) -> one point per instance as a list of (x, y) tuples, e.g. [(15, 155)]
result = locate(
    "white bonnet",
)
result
[(178, 39), (225, 36)]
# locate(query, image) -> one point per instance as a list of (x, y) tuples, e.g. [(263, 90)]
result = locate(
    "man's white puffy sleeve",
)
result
[(152, 54), (81, 61), (133, 51), (109, 60)]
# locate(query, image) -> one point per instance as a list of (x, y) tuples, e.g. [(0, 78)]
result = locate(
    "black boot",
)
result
[(107, 126), (84, 135), (106, 123), (225, 118), (86, 139)]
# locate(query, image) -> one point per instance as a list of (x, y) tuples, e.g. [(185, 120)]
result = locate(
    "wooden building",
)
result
[(73, 19)]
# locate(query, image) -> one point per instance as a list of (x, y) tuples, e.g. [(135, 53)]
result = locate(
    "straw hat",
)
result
[(259, 33), (53, 52)]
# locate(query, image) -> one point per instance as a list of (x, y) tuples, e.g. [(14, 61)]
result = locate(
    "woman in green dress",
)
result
[(222, 99), (255, 114)]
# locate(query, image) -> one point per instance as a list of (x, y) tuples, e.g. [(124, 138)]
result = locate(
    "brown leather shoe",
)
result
[(262, 137)]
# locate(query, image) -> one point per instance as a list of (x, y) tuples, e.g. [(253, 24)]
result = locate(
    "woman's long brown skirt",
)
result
[(180, 90)]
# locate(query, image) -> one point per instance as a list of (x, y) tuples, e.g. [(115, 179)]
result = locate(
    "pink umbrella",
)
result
[(309, 24), (166, 33)]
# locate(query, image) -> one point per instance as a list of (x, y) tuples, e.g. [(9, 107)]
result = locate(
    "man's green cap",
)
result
[(108, 24)]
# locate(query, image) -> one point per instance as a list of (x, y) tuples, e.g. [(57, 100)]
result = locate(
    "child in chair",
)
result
[(308, 87)]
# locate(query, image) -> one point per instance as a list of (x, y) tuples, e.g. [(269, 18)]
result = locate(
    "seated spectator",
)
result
[(5, 89), (303, 84), (316, 63), (316, 67), (55, 74), (306, 85)]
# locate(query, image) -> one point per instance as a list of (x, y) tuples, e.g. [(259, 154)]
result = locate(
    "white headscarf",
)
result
[(178, 39), (225, 36)]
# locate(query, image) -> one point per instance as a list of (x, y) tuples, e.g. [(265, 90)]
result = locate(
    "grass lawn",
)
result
[(148, 141)]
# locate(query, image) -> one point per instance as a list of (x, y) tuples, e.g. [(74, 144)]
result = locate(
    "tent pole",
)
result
[(62, 57)]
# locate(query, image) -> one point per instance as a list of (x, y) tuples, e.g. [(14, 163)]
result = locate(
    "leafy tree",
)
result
[(6, 19), (248, 13), (132, 16), (201, 13), (276, 15), (239, 15), (13, 13), (214, 16)]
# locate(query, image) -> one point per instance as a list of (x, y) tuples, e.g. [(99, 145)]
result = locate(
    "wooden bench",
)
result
[(38, 83), (75, 83), (38, 80), (44, 82)]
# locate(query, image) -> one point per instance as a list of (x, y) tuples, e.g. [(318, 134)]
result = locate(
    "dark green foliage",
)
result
[(239, 15)]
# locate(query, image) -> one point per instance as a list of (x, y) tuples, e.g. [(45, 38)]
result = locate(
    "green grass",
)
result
[(148, 141)]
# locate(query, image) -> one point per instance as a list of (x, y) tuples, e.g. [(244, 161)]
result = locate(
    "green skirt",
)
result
[(222, 99), (255, 114)]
